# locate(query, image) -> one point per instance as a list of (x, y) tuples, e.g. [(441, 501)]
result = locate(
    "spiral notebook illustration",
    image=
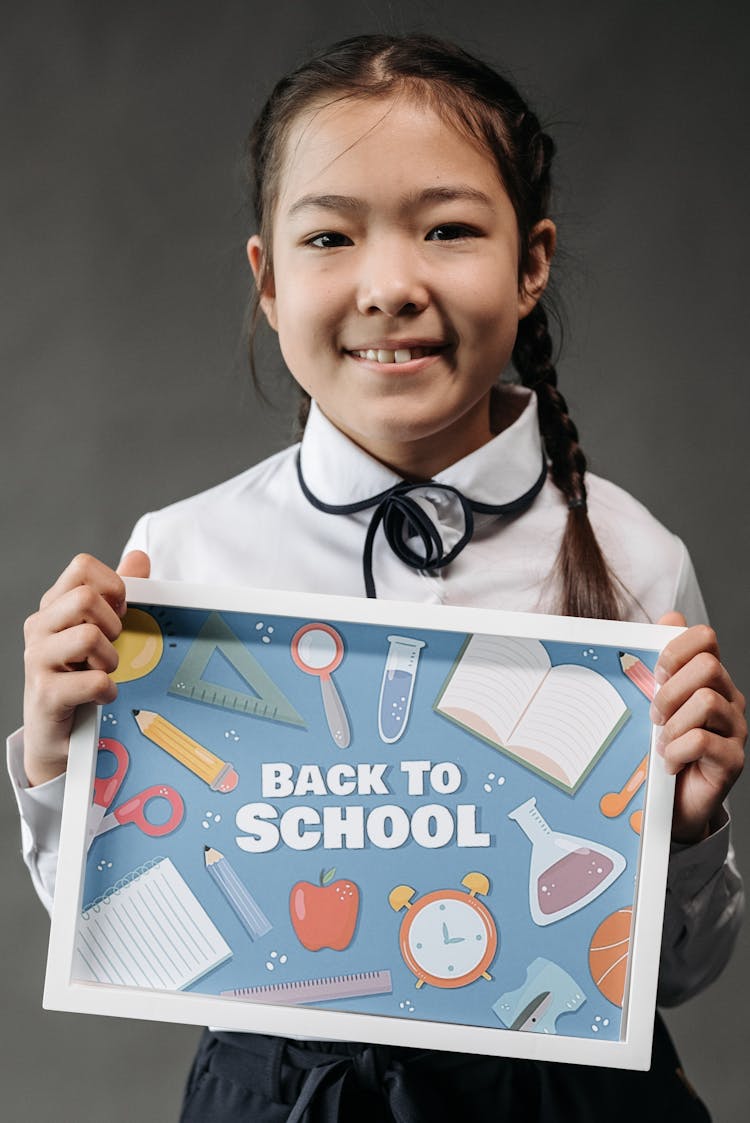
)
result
[(556, 720), (148, 930)]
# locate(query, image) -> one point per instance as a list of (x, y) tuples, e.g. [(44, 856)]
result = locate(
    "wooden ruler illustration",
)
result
[(325, 989), (266, 700)]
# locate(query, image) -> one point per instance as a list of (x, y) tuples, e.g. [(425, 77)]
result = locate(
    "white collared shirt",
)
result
[(258, 529)]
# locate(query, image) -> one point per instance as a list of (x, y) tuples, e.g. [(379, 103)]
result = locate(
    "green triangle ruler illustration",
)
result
[(267, 700)]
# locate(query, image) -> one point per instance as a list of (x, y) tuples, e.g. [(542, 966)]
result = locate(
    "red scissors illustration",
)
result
[(133, 810)]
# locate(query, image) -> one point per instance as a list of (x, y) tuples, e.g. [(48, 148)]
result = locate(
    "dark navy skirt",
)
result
[(238, 1077)]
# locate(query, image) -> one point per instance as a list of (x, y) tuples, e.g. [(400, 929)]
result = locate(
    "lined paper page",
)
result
[(152, 932), (495, 680), (574, 714)]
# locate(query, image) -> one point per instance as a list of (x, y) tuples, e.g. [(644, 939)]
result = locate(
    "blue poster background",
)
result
[(492, 781)]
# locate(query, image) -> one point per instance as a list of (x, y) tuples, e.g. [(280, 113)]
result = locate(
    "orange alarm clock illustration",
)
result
[(448, 938)]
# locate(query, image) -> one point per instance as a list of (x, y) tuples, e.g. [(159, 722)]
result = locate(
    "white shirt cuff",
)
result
[(41, 816), (40, 807), (692, 865), (704, 907)]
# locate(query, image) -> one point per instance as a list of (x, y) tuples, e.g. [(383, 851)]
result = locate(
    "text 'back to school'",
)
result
[(386, 826)]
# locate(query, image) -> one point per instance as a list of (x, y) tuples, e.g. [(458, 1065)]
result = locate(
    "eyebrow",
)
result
[(347, 203)]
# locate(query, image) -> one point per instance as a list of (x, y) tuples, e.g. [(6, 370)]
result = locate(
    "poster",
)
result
[(374, 821)]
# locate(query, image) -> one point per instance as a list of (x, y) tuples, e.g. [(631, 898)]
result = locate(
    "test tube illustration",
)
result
[(397, 686), (254, 920), (217, 773)]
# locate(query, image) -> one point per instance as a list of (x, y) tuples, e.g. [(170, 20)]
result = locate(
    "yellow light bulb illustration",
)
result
[(140, 646)]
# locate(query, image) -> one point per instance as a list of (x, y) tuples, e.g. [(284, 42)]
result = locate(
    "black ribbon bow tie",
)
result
[(402, 518)]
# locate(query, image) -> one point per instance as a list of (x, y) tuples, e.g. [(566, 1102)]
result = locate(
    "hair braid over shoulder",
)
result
[(587, 584)]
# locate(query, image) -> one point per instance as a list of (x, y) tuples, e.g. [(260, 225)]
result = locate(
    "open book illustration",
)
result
[(556, 720)]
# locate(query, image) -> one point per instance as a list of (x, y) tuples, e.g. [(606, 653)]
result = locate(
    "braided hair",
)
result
[(487, 108)]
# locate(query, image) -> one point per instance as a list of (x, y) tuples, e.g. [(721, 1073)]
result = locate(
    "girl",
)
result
[(404, 246)]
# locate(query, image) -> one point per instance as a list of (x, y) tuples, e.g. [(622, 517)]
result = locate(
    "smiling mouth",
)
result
[(400, 355)]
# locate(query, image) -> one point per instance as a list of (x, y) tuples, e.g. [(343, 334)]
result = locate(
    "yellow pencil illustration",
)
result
[(217, 773)]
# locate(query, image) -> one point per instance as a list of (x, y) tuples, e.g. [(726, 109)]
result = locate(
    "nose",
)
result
[(391, 281)]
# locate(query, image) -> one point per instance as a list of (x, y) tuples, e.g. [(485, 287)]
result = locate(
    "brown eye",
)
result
[(329, 240), (451, 232)]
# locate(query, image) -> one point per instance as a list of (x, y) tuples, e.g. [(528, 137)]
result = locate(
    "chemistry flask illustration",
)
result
[(566, 872), (397, 686)]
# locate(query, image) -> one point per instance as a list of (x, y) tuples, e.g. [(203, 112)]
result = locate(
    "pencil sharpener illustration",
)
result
[(547, 994)]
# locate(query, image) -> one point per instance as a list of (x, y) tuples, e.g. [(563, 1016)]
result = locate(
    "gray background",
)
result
[(123, 292)]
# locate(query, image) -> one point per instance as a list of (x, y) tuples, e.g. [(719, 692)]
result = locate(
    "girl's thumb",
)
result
[(135, 564), (674, 619)]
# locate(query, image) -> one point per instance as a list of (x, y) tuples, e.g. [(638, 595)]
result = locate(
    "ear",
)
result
[(255, 256), (533, 282)]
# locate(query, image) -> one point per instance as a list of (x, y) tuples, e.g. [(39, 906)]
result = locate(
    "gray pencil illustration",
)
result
[(236, 892)]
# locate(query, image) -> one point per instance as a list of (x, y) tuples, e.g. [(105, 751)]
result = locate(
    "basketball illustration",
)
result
[(608, 954)]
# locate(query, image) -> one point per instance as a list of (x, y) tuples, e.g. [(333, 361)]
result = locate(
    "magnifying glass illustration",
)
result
[(317, 649)]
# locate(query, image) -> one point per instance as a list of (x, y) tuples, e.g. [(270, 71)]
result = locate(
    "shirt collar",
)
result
[(338, 471)]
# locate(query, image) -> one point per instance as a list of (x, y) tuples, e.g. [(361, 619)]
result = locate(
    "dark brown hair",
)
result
[(488, 109)]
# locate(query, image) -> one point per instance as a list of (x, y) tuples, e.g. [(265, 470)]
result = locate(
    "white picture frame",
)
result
[(405, 1015)]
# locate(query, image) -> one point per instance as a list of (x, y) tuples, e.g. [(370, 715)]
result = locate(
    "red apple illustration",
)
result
[(325, 915)]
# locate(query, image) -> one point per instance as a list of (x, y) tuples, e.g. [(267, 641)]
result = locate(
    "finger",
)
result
[(705, 709), (59, 694), (685, 647), (720, 759), (135, 564), (703, 670), (82, 646), (87, 570), (82, 605), (673, 620)]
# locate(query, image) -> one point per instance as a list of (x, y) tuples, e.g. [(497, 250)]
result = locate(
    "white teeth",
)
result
[(402, 355)]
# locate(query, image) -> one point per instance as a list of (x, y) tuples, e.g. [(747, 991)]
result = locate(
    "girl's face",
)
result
[(396, 292)]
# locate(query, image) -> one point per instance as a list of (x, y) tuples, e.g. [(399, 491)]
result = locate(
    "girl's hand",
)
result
[(69, 656), (703, 734)]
